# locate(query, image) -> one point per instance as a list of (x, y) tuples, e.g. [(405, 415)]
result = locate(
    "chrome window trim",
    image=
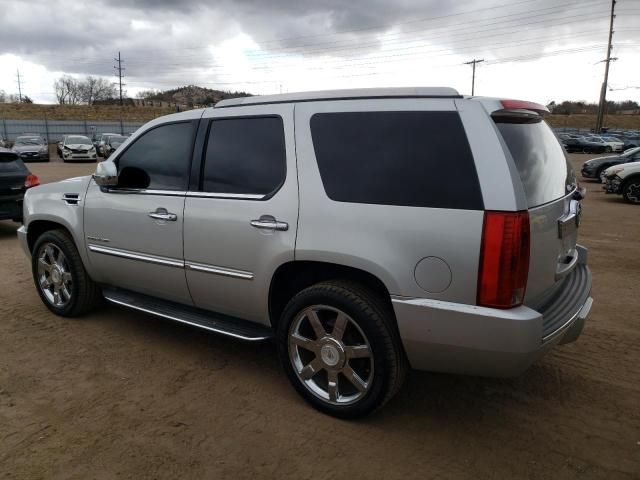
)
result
[(238, 196), (226, 272), (116, 252)]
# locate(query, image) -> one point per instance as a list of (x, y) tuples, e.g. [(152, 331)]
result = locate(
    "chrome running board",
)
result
[(196, 317)]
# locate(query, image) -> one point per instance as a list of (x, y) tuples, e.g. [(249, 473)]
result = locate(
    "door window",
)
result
[(159, 159), (245, 156)]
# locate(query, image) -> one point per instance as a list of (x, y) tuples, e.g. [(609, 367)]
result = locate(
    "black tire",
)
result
[(85, 293), (631, 190), (608, 149), (375, 319)]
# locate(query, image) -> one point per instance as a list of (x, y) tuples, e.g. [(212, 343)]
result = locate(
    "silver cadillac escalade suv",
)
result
[(365, 231)]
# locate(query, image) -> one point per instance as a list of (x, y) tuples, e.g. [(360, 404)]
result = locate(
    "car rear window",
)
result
[(10, 163), (540, 159), (418, 159)]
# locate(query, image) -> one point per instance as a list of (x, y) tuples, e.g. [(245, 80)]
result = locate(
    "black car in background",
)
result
[(15, 179), (111, 143), (582, 145), (31, 147), (593, 168)]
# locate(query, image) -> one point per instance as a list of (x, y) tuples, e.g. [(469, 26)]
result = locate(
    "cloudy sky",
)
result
[(540, 50)]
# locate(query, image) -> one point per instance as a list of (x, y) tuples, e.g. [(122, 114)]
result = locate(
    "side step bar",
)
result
[(196, 317)]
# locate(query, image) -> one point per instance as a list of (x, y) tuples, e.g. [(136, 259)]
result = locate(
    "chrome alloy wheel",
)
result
[(54, 276), (331, 355)]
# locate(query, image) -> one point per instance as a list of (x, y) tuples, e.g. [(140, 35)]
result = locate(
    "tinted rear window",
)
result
[(539, 158), (10, 163), (419, 159)]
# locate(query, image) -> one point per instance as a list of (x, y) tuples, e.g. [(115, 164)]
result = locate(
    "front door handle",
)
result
[(162, 214), (268, 222)]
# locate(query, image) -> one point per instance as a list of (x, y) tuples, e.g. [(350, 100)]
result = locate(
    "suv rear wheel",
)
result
[(340, 350), (61, 280)]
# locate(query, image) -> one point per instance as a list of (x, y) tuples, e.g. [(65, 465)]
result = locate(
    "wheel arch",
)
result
[(293, 277), (37, 227)]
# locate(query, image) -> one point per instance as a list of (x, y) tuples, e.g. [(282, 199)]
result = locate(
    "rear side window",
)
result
[(418, 159), (163, 154), (245, 156), (10, 163), (540, 159)]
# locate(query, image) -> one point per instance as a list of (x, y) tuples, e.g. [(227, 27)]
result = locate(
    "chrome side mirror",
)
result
[(106, 174)]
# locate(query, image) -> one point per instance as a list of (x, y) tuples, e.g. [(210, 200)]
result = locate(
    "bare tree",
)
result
[(67, 90), (94, 89)]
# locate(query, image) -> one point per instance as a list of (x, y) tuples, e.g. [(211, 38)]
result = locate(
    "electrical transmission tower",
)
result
[(603, 91), (119, 68), (473, 75), (19, 86)]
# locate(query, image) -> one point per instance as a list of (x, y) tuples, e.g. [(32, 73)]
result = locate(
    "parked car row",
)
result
[(595, 167), (623, 180), (575, 143)]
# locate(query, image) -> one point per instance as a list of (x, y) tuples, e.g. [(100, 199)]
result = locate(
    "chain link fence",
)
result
[(54, 130)]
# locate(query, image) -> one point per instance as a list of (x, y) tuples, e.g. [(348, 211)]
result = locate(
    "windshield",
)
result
[(29, 141), (540, 159), (78, 141)]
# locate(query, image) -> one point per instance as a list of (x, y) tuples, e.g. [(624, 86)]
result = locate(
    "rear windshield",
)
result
[(540, 159), (10, 163)]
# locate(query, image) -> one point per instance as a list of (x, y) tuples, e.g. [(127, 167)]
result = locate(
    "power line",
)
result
[(473, 75)]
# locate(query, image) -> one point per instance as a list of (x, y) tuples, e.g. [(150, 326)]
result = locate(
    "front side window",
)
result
[(159, 159), (245, 156)]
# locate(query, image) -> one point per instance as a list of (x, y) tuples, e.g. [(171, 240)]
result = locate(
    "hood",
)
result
[(598, 160), (27, 148)]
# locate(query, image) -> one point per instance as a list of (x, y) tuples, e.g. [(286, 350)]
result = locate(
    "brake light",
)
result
[(523, 105), (31, 181), (504, 259)]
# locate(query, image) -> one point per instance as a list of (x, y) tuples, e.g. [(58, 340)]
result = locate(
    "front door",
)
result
[(240, 224), (134, 230)]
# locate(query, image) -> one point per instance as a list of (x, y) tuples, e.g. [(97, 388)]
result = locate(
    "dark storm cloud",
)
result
[(164, 39)]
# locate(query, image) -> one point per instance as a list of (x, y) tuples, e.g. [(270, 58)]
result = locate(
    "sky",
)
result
[(540, 50)]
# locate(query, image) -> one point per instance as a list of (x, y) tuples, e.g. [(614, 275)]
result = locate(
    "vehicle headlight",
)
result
[(613, 171)]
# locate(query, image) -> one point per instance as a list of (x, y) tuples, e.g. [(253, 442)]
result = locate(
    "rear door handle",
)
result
[(268, 222), (162, 214)]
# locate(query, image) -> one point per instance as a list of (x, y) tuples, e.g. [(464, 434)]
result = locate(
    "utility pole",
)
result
[(603, 90), (19, 87), (119, 68), (473, 75)]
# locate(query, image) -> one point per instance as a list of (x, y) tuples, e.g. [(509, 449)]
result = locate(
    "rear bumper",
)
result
[(467, 339), (11, 209)]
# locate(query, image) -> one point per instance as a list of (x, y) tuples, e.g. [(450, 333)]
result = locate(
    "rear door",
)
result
[(241, 218), (549, 184)]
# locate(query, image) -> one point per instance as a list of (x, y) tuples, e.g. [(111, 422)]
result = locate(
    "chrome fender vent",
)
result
[(71, 198)]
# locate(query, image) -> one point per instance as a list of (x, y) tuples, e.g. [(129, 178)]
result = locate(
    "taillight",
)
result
[(504, 259), (31, 181)]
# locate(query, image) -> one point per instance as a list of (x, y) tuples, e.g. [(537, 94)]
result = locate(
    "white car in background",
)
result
[(78, 147), (610, 144), (624, 180)]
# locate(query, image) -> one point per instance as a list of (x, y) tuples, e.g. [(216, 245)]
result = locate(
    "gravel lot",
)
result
[(123, 395)]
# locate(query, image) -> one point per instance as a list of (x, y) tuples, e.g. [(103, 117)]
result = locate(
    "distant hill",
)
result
[(190, 95)]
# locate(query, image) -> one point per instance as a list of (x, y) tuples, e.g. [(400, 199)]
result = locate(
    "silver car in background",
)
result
[(324, 221), (77, 147)]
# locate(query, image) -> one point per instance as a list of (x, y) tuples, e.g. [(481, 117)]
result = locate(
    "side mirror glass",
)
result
[(106, 174)]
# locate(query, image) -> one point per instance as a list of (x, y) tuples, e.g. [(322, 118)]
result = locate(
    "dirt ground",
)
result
[(119, 394)]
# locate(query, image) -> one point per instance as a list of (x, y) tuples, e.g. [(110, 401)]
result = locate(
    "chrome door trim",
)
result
[(116, 252), (142, 191), (237, 196), (226, 272)]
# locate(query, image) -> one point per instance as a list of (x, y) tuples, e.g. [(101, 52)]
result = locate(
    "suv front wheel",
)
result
[(631, 190), (61, 280), (340, 349)]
